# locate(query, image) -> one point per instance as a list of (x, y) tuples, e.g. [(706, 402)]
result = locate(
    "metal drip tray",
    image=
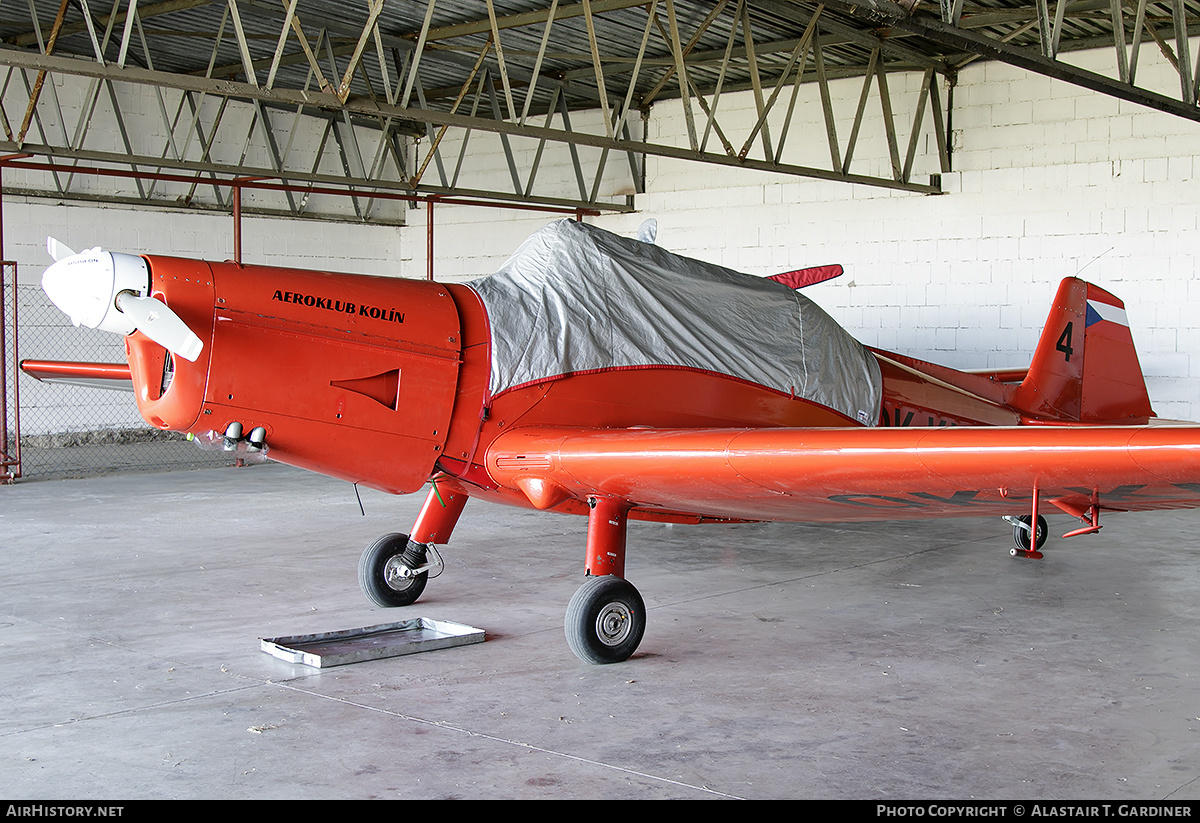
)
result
[(370, 642)]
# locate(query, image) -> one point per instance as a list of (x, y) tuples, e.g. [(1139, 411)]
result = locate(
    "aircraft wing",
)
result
[(91, 375), (847, 474)]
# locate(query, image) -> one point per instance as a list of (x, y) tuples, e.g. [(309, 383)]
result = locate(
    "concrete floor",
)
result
[(914, 660)]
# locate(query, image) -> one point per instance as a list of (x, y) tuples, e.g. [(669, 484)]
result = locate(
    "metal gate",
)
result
[(10, 405)]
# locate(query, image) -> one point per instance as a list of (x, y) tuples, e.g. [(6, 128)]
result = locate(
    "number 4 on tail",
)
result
[(1064, 342)]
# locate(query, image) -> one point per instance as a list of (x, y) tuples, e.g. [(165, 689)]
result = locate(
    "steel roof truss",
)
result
[(998, 34), (616, 82)]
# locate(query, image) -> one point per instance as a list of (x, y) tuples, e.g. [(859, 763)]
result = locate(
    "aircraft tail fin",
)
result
[(1085, 368)]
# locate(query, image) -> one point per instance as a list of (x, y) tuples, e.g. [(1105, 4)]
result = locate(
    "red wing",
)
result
[(92, 375), (857, 474)]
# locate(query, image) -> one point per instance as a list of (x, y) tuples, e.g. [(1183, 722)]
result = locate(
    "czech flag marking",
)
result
[(1097, 311)]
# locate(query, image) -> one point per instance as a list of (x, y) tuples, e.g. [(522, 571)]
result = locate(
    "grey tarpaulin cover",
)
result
[(574, 298)]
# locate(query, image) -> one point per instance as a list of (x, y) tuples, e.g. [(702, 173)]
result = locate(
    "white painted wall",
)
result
[(1049, 181)]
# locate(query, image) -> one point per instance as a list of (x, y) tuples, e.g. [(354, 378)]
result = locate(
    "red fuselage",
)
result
[(384, 381)]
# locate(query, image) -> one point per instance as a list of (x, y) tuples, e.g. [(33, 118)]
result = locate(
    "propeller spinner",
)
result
[(110, 291)]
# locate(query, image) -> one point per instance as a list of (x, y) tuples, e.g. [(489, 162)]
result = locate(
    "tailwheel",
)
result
[(605, 620), (391, 571), (1028, 539)]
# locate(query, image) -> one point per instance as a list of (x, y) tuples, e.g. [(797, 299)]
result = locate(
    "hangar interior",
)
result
[(958, 159)]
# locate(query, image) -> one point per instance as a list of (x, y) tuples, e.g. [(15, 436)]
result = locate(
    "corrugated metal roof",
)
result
[(502, 65)]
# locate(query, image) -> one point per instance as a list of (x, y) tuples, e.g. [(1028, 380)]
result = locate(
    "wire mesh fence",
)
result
[(76, 431), (10, 456)]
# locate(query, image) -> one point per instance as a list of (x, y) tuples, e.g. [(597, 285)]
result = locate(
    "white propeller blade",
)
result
[(57, 249), (153, 319)]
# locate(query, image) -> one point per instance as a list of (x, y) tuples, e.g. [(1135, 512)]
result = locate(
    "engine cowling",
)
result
[(349, 375)]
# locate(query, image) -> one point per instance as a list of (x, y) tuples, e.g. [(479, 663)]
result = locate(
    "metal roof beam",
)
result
[(378, 109), (934, 30)]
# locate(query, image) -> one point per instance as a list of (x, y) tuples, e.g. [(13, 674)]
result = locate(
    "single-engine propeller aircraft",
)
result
[(607, 377)]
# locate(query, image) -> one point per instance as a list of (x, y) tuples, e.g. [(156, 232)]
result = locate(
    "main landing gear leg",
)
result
[(394, 569), (606, 617)]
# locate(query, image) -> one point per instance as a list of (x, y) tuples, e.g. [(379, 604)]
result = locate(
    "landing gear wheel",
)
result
[(1028, 544), (1021, 535), (382, 571), (605, 620)]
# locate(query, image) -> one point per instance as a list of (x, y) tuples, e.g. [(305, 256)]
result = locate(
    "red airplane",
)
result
[(606, 377)]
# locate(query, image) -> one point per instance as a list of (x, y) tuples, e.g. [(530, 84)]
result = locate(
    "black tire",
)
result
[(605, 620), (373, 571), (1021, 536)]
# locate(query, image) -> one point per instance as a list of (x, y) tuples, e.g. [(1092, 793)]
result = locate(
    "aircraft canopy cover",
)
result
[(575, 298)]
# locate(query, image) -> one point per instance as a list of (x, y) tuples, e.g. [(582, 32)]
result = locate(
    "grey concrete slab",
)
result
[(907, 660)]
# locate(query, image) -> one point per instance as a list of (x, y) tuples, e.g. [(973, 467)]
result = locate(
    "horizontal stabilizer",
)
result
[(91, 375), (807, 277)]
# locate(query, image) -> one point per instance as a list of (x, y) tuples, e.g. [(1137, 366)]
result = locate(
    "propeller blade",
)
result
[(57, 249), (152, 318)]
